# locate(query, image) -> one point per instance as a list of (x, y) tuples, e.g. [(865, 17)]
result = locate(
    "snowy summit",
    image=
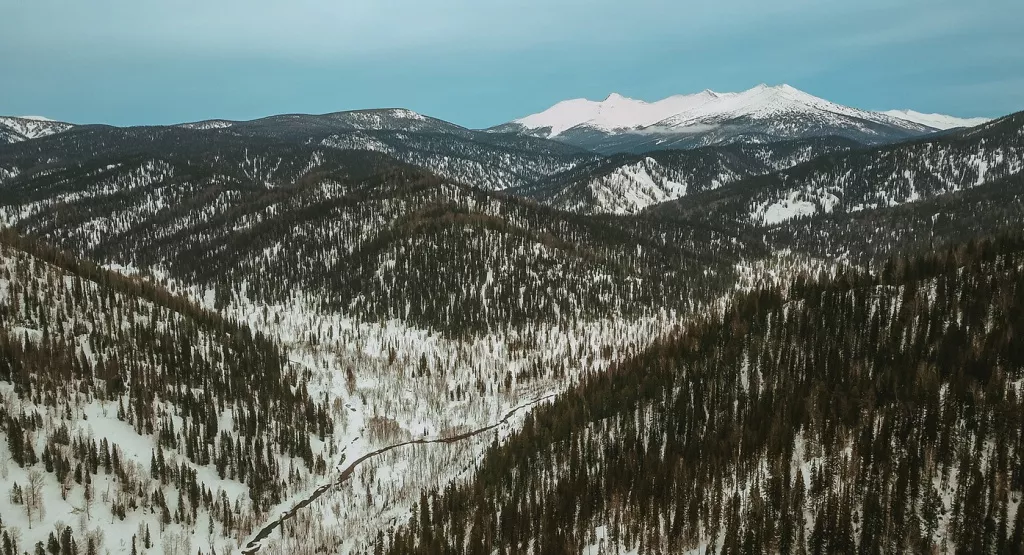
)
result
[(617, 113)]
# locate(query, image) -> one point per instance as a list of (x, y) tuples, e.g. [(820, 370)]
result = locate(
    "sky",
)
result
[(483, 62)]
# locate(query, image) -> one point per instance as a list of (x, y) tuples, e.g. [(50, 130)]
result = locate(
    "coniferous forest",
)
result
[(375, 332), (859, 413)]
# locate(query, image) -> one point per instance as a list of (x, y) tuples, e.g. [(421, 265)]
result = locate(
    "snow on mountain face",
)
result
[(938, 121), (384, 119), (761, 114), (628, 189), (30, 127), (207, 124), (628, 184), (764, 102), (869, 180), (613, 113), (618, 113)]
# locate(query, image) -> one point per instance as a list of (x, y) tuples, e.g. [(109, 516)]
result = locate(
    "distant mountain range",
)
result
[(762, 114), (487, 160), (617, 156)]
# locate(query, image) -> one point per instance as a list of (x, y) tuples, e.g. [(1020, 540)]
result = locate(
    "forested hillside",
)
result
[(866, 179), (363, 234), (855, 414), (627, 184), (871, 236), (491, 161), (129, 411)]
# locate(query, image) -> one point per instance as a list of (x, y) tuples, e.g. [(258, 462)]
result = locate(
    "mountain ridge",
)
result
[(15, 129), (760, 114), (936, 120), (609, 114)]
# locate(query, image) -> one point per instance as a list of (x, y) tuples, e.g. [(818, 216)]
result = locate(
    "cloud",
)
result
[(688, 130)]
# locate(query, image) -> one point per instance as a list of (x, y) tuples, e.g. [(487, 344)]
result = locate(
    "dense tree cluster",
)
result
[(172, 370), (867, 413), (59, 543)]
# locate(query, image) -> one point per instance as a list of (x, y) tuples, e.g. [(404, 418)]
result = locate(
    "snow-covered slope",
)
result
[(764, 102), (758, 115), (938, 121), (23, 128), (627, 184), (870, 179), (613, 113)]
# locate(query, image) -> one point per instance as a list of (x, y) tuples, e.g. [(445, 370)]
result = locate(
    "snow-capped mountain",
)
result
[(14, 129), (938, 121), (764, 103), (758, 115), (615, 113)]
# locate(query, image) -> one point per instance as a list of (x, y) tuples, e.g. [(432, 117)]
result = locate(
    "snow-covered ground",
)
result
[(66, 505), (391, 382)]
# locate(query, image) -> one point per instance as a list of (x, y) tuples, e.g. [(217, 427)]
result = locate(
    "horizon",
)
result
[(480, 66), (40, 117)]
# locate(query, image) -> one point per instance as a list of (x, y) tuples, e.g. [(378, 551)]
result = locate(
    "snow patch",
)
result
[(937, 121)]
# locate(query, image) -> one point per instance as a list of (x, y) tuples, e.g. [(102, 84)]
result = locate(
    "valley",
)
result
[(709, 323)]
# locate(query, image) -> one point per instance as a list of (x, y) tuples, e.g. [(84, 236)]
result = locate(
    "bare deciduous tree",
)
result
[(34, 507)]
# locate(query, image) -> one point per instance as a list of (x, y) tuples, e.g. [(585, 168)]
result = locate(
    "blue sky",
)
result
[(482, 62)]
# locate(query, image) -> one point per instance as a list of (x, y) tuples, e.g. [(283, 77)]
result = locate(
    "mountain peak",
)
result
[(615, 97), (779, 87)]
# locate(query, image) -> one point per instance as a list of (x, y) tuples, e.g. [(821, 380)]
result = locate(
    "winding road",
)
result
[(254, 544)]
